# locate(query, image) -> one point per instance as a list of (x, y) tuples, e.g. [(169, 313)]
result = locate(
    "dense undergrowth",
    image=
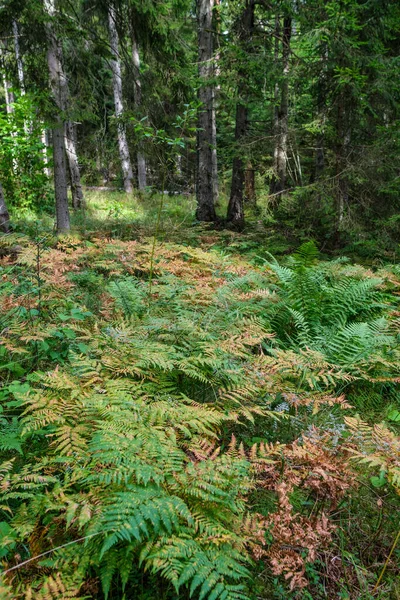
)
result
[(187, 419)]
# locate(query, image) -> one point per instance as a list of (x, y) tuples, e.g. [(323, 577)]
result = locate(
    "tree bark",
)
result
[(216, 88), (45, 145), (123, 147), (18, 59), (9, 94), (141, 161), (343, 133), (60, 180), (235, 213), (4, 216), (249, 184), (278, 182), (58, 86), (73, 165), (205, 186), (61, 95)]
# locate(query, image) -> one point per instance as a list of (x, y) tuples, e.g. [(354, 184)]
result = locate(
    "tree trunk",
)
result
[(70, 148), (4, 216), (45, 145), (18, 59), (235, 213), (58, 86), (216, 88), (115, 64), (61, 95), (205, 186), (249, 184), (8, 93), (60, 180), (342, 150), (141, 161), (281, 116)]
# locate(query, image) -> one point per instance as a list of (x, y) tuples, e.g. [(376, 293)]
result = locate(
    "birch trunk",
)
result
[(58, 88), (45, 144), (235, 207), (141, 161), (18, 59), (4, 216), (118, 101), (281, 120), (60, 180), (9, 95), (205, 187)]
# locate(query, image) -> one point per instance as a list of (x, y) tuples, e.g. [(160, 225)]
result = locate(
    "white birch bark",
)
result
[(18, 59), (118, 101), (45, 145), (141, 161)]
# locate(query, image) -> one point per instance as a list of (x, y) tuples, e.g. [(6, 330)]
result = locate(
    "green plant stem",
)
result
[(387, 561)]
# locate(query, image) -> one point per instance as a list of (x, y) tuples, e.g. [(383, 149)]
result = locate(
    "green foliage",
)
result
[(120, 400), (22, 157)]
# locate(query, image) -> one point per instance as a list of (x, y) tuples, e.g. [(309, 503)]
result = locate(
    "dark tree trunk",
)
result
[(249, 184), (58, 86), (342, 150), (278, 182), (73, 166), (235, 213), (235, 207), (205, 188), (4, 216)]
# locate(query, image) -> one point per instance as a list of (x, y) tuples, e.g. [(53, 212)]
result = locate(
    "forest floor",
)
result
[(285, 365)]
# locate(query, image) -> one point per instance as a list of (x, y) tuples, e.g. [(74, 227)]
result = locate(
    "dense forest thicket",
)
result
[(199, 285)]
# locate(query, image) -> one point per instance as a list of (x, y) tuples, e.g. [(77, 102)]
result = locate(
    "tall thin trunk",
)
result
[(60, 180), (45, 145), (250, 184), (62, 98), (9, 94), (18, 59), (282, 121), (118, 101), (216, 88), (141, 161), (343, 134), (235, 207), (4, 216), (73, 165), (322, 91), (58, 87), (205, 187)]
